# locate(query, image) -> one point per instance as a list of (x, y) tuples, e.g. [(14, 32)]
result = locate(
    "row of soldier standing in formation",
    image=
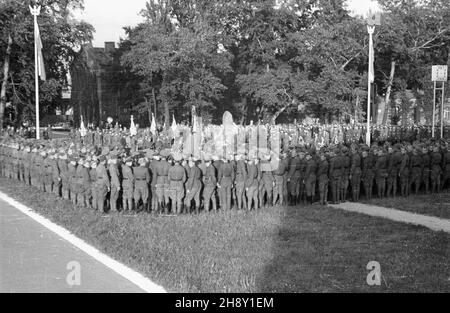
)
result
[(165, 182)]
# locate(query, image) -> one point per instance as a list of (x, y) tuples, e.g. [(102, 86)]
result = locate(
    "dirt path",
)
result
[(434, 223)]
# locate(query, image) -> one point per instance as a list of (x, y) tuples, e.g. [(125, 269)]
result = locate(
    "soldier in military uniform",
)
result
[(27, 165), (64, 174), (322, 178), (267, 180), (355, 173), (251, 185), (71, 170), (367, 172), (280, 179), (239, 180), (193, 186), (161, 171), (93, 199), (210, 184), (310, 178), (345, 168), (335, 173), (114, 181), (381, 172), (141, 176), (225, 180), (177, 178), (56, 177), (415, 171), (127, 184), (445, 167), (436, 170), (293, 178), (394, 160), (102, 184), (404, 172)]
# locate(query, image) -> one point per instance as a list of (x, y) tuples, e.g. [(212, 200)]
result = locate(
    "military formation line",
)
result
[(144, 173)]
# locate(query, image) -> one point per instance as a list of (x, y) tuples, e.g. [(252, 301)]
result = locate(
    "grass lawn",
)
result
[(303, 249), (433, 205)]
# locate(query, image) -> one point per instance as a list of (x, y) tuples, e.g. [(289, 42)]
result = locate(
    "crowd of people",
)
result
[(112, 171)]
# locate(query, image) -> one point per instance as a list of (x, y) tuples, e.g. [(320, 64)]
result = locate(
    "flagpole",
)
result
[(36, 11), (371, 30)]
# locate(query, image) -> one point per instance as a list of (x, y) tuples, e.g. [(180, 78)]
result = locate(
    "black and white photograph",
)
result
[(224, 153)]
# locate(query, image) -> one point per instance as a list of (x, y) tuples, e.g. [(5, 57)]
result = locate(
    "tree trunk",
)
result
[(5, 81), (278, 113), (149, 110), (388, 93), (356, 108)]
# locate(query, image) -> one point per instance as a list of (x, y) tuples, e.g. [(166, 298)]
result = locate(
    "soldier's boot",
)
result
[(125, 205), (174, 207), (394, 190), (235, 200), (187, 208), (112, 205), (130, 204), (389, 189), (206, 204), (101, 205), (197, 209), (238, 203), (214, 203)]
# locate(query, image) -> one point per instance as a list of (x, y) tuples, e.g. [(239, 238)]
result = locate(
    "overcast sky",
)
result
[(109, 16)]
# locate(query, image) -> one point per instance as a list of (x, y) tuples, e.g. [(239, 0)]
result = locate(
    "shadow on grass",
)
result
[(318, 249)]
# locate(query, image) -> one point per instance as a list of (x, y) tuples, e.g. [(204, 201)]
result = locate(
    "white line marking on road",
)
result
[(136, 278)]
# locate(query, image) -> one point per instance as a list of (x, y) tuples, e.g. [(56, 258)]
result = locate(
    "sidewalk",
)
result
[(35, 259), (433, 223)]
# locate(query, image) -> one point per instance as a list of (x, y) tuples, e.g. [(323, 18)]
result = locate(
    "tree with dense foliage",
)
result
[(61, 36)]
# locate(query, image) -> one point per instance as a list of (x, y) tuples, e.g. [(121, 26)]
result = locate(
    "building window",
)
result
[(447, 113)]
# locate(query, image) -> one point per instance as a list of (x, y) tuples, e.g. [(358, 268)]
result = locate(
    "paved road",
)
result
[(34, 259)]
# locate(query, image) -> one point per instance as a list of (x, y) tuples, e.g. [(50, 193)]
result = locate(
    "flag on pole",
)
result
[(371, 61), (174, 125), (83, 129), (40, 63), (133, 129), (153, 126)]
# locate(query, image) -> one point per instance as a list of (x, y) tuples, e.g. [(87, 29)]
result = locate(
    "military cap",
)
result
[(165, 153), (141, 161), (206, 157), (177, 157), (149, 153), (113, 155), (102, 158), (105, 150)]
